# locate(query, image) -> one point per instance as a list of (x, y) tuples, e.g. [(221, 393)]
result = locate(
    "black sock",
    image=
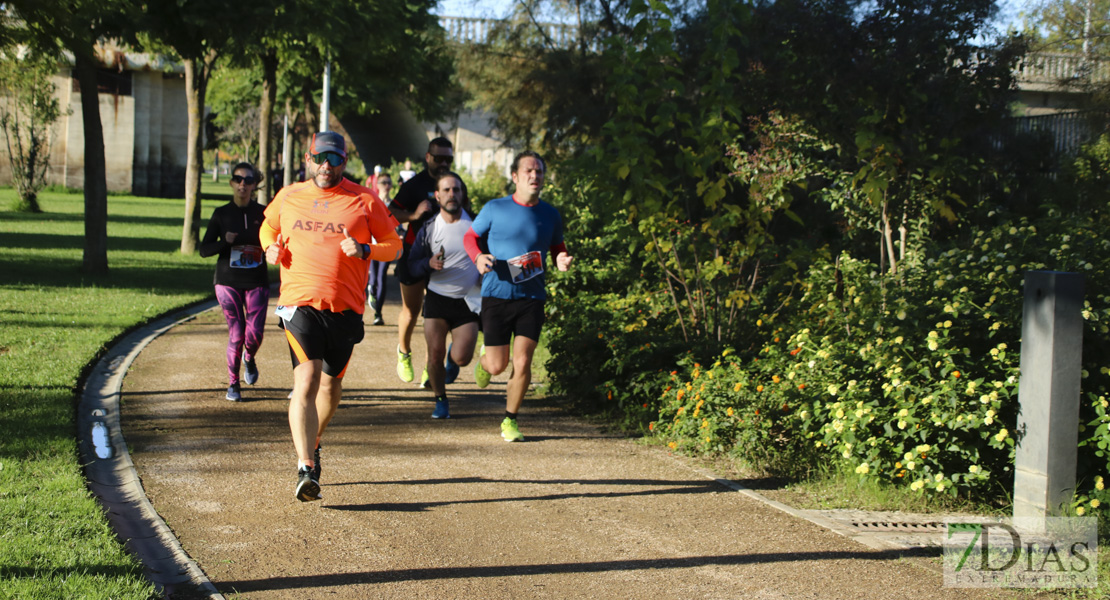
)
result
[(441, 398), (510, 415)]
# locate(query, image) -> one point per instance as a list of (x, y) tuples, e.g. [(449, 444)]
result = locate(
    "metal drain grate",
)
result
[(926, 527)]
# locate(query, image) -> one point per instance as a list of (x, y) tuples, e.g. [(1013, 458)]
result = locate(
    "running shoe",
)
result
[(308, 489), (250, 367), (404, 365), (481, 375), (378, 320), (233, 393), (510, 432), (451, 367), (442, 411), (316, 468), (425, 380)]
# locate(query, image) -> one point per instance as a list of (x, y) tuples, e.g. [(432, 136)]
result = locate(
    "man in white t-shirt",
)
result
[(453, 299)]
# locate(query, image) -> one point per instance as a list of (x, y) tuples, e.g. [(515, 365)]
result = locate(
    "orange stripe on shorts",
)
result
[(295, 346)]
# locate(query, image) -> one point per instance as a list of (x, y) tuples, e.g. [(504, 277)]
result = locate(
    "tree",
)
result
[(198, 32), (27, 117), (1069, 26), (77, 26)]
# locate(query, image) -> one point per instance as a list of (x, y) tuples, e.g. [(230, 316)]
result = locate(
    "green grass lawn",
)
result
[(54, 542)]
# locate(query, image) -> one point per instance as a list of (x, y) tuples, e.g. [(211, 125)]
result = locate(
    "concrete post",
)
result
[(1048, 395)]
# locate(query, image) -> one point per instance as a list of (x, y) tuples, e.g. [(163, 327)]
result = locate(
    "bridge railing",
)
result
[(470, 30), (1049, 68)]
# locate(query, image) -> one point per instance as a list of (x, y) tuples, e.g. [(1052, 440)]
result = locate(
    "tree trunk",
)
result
[(287, 157), (197, 71), (265, 118), (95, 259)]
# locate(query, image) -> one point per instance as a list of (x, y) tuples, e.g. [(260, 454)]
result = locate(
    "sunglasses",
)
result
[(443, 159), (249, 179), (331, 158)]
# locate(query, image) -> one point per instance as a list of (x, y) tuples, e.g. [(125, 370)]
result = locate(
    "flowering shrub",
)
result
[(911, 379)]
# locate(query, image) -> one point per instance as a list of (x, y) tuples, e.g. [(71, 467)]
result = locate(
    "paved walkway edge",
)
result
[(111, 475)]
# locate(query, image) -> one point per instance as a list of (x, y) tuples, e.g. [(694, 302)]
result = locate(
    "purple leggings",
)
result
[(245, 311)]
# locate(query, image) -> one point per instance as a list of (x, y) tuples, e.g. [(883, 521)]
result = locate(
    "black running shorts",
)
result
[(453, 310), (501, 319), (323, 335)]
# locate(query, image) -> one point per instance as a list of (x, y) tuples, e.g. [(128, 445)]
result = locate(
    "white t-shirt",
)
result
[(459, 277)]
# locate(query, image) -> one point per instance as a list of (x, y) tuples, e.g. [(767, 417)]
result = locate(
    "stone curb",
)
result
[(111, 476)]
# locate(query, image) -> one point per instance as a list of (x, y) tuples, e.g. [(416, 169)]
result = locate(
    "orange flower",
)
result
[(759, 388), (775, 378), (651, 426), (610, 394), (956, 374), (757, 411), (801, 386), (795, 351), (681, 393), (776, 339)]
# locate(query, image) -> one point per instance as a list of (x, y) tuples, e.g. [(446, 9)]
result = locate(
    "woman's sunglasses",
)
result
[(249, 179)]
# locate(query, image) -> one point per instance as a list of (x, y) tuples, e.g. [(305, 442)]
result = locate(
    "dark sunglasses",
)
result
[(443, 159), (249, 179), (331, 158)]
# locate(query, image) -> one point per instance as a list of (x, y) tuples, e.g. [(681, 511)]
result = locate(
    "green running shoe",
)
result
[(481, 376), (404, 366), (424, 379), (510, 432)]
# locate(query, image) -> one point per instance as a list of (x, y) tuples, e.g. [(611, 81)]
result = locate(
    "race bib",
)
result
[(526, 266), (285, 312), (246, 257)]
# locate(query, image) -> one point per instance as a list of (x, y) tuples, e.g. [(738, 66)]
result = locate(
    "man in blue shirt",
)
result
[(519, 231)]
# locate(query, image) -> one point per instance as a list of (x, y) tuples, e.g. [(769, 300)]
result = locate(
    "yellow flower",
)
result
[(863, 469), (917, 485), (736, 388), (672, 445), (729, 411), (902, 424), (939, 477), (1099, 485), (940, 487), (775, 378), (1002, 435), (911, 465), (1079, 510), (1095, 503), (948, 323), (973, 469)]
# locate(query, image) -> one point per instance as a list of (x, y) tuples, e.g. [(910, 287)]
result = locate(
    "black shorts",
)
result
[(501, 319), (401, 271), (453, 310), (323, 335)]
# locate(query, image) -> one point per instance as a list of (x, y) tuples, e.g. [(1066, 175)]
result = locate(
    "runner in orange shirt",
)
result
[(319, 231)]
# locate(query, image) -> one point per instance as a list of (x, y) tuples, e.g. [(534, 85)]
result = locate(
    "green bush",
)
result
[(910, 379)]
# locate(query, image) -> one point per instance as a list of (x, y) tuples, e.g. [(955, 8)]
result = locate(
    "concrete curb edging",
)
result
[(110, 474)]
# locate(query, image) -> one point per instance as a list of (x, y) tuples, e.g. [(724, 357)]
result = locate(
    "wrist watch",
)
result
[(365, 251)]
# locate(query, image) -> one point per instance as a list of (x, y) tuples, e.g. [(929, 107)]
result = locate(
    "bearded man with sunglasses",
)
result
[(415, 204), (242, 281), (322, 232)]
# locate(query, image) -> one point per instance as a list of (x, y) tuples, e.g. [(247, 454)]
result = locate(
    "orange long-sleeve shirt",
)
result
[(310, 223)]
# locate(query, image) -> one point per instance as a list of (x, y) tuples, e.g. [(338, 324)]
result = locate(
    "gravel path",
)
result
[(445, 509)]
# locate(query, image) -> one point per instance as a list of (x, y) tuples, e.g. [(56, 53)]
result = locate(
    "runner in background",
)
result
[(414, 204), (519, 230), (241, 280), (379, 270), (320, 232)]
